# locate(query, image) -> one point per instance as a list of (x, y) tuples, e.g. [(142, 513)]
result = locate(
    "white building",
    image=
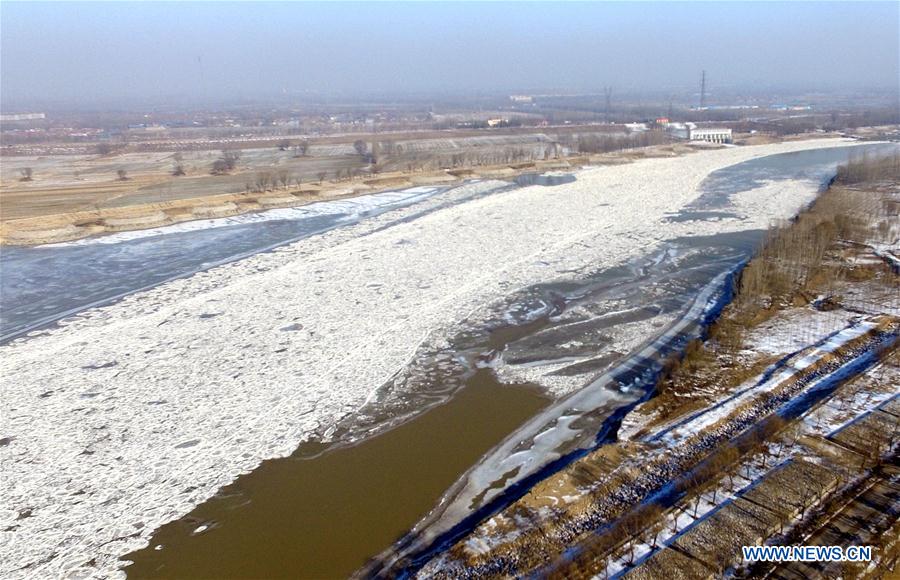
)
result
[(711, 135), (23, 117), (680, 130)]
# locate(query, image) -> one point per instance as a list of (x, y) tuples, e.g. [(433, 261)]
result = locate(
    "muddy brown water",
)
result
[(324, 516)]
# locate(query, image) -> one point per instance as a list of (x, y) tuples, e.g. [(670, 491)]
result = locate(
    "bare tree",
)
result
[(263, 180), (793, 433), (653, 514), (632, 526), (680, 510), (321, 175), (693, 485), (178, 164), (26, 174), (284, 144), (361, 147), (881, 438), (301, 148), (226, 162), (807, 497), (123, 175), (231, 158), (698, 498), (284, 178), (726, 461)]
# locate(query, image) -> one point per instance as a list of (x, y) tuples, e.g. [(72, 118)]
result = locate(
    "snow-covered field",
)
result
[(129, 415)]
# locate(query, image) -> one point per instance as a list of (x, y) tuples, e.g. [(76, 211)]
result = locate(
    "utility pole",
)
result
[(703, 91)]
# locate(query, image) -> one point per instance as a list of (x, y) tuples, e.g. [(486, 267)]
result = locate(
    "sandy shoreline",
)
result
[(78, 225), (129, 415)]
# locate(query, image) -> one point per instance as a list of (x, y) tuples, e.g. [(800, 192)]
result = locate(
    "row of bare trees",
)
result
[(867, 167), (372, 155), (266, 181), (272, 180), (793, 255), (299, 148), (647, 523), (593, 143)]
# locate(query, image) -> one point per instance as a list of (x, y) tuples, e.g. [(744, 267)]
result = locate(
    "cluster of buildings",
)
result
[(687, 131)]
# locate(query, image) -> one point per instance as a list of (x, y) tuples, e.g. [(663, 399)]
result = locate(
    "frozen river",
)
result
[(40, 285), (141, 410)]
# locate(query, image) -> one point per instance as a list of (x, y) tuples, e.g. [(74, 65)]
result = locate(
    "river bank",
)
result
[(52, 227)]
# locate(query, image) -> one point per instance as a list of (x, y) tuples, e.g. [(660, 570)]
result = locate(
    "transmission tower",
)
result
[(607, 93), (703, 91)]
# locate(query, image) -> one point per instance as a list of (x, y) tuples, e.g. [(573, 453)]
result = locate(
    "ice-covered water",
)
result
[(818, 165), (42, 284)]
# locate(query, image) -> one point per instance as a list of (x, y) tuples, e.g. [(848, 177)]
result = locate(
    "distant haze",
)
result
[(122, 52)]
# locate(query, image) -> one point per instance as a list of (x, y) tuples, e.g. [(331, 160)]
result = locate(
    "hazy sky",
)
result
[(84, 52)]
